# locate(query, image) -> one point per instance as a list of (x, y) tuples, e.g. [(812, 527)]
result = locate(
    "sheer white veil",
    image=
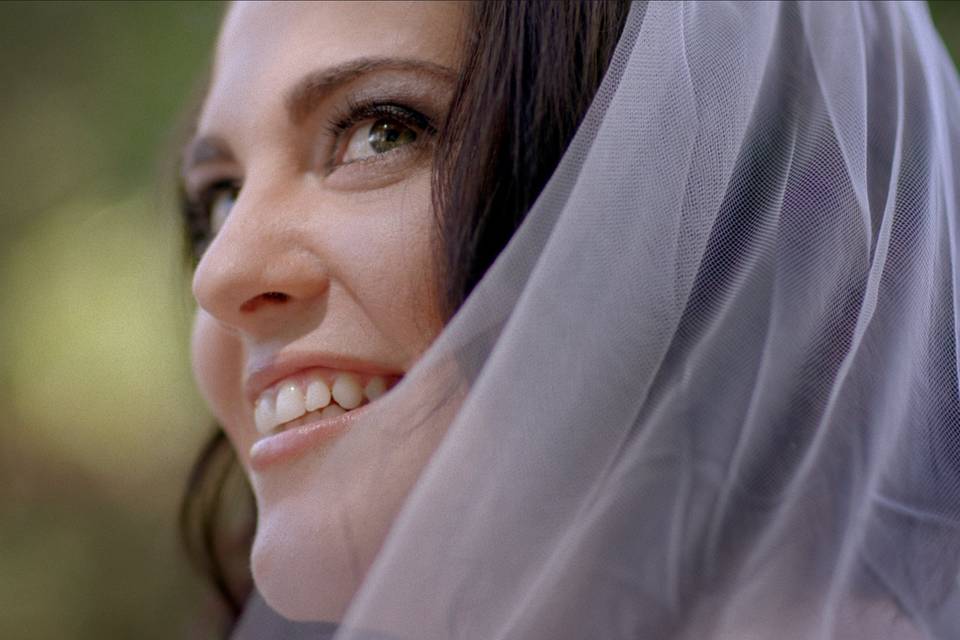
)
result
[(710, 388)]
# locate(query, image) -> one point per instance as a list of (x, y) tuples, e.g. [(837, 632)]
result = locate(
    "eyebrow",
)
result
[(302, 99), (307, 93), (206, 150)]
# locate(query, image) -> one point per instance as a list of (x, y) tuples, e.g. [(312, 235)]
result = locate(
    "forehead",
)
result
[(265, 47)]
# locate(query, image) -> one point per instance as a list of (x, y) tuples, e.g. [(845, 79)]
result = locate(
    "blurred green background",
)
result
[(100, 419)]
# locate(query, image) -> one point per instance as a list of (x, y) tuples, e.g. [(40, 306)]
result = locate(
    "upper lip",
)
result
[(263, 374)]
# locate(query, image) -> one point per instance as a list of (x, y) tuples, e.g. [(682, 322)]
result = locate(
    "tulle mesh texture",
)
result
[(710, 389)]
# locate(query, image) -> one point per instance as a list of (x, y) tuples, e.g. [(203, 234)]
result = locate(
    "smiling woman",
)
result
[(558, 320), (322, 273), (308, 188)]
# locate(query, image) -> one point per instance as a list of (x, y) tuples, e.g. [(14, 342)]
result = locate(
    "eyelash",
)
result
[(198, 206), (197, 210), (353, 113)]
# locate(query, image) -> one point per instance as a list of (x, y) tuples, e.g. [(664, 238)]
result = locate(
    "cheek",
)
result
[(396, 274), (217, 365)]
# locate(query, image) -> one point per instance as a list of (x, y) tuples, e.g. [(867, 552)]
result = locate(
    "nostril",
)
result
[(270, 297)]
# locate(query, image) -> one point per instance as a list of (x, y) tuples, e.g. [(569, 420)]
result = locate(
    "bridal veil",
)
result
[(710, 388)]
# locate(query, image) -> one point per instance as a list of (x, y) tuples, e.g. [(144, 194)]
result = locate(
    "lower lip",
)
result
[(287, 446)]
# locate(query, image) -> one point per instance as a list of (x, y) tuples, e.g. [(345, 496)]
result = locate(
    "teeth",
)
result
[(265, 416), (375, 388), (318, 394), (332, 411), (347, 391), (290, 404), (298, 395)]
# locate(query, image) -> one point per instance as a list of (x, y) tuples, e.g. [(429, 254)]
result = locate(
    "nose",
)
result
[(258, 276)]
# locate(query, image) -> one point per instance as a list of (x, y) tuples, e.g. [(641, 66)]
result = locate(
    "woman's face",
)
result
[(312, 160)]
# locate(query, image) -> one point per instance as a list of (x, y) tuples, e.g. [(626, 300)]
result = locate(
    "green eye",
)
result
[(377, 137), (386, 135)]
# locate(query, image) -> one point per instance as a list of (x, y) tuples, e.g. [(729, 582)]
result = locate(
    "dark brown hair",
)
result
[(531, 70)]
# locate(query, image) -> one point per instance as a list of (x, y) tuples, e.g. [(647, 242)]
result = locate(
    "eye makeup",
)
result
[(392, 122), (342, 126), (414, 106)]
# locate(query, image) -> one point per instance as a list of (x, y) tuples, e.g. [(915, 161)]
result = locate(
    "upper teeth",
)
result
[(347, 392), (293, 397)]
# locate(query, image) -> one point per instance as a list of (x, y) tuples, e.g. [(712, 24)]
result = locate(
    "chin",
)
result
[(303, 575)]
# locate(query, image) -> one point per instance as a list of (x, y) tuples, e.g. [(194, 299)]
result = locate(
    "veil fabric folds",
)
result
[(710, 388)]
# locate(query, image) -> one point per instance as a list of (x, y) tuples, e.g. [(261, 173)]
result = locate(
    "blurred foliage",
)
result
[(100, 417), (101, 421), (946, 15)]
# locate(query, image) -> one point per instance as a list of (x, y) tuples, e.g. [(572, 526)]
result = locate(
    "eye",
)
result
[(221, 198), (206, 211), (373, 131), (376, 137)]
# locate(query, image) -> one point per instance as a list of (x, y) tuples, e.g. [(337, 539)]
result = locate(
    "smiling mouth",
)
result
[(316, 394)]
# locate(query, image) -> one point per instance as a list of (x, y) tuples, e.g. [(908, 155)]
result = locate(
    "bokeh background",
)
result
[(99, 420)]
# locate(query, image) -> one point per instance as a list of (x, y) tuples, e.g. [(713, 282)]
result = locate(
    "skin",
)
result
[(348, 249)]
